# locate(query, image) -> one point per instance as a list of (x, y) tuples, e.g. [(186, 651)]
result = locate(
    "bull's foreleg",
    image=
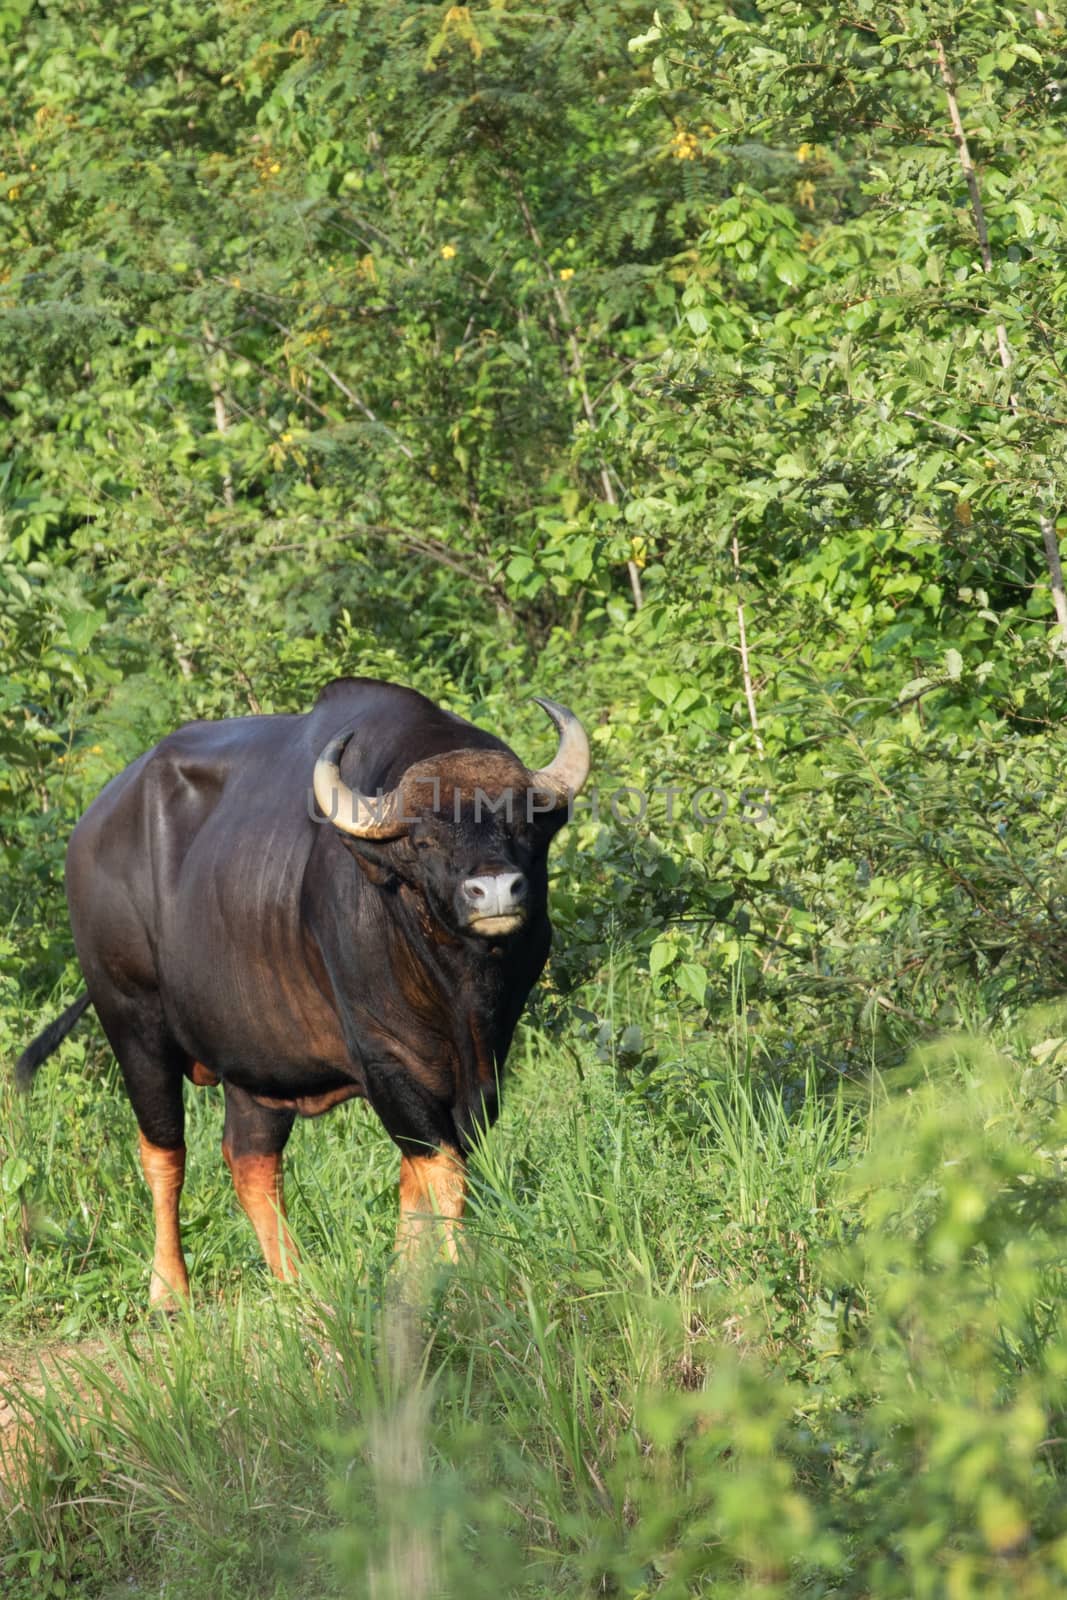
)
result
[(433, 1169), (433, 1192), (164, 1172), (253, 1139)]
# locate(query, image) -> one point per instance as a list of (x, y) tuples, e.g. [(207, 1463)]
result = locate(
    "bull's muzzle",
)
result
[(495, 902)]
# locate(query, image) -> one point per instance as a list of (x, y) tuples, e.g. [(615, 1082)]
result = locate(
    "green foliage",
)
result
[(410, 342)]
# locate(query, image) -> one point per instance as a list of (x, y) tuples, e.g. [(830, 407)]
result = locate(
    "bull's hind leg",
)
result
[(151, 1070), (253, 1139), (164, 1172)]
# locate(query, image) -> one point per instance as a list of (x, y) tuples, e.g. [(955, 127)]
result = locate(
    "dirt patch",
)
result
[(24, 1376)]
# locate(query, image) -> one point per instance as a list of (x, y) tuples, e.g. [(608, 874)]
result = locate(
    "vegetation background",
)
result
[(703, 369)]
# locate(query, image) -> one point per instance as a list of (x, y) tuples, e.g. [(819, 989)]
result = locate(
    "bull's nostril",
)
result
[(496, 894)]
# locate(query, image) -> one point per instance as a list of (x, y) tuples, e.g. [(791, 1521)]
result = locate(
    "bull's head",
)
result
[(469, 829)]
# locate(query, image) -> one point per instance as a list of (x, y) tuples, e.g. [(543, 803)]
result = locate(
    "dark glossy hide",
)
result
[(223, 932)]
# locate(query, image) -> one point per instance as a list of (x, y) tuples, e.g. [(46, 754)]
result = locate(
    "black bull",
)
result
[(381, 943)]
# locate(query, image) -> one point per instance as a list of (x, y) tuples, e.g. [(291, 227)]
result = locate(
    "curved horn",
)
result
[(570, 766), (364, 816)]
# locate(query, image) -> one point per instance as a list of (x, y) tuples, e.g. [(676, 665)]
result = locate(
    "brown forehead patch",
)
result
[(441, 783)]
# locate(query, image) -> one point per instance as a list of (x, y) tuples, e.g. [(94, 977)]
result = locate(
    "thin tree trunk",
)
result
[(218, 400), (973, 190), (1055, 567), (1047, 523), (750, 694)]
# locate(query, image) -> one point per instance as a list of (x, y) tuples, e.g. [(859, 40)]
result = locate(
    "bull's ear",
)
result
[(372, 859), (548, 823)]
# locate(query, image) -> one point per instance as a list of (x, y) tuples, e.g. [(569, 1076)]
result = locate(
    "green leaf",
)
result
[(13, 1174), (692, 980), (664, 687), (662, 954), (81, 626)]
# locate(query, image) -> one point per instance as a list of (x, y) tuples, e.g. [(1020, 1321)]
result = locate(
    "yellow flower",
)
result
[(236, 282), (448, 251), (14, 193), (685, 145), (566, 272), (96, 750), (804, 152), (275, 166)]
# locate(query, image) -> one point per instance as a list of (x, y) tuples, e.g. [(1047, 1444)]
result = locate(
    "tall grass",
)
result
[(773, 1345)]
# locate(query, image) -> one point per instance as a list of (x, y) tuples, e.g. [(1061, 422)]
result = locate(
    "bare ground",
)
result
[(24, 1374)]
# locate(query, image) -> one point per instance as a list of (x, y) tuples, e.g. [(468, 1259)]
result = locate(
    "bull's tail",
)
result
[(42, 1047)]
